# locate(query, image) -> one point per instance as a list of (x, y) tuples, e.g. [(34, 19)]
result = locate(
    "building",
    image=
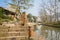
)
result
[(7, 12), (12, 7), (38, 19)]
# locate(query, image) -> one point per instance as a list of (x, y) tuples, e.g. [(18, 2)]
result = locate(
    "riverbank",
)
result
[(51, 25)]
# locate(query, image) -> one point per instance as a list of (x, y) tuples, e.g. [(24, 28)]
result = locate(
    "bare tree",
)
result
[(51, 6), (43, 15), (21, 4)]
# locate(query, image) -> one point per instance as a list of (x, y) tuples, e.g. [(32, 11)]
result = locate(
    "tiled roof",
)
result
[(7, 11)]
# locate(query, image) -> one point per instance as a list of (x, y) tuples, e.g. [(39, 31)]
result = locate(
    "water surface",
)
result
[(50, 33)]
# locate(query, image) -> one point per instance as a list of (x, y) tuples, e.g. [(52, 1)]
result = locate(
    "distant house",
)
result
[(38, 19), (12, 7), (7, 12)]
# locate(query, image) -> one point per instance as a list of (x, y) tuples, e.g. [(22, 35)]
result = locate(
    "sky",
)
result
[(33, 10)]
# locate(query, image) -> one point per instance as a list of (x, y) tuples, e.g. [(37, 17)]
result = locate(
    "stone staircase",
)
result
[(14, 33)]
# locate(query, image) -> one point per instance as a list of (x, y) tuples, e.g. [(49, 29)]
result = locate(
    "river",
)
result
[(50, 33)]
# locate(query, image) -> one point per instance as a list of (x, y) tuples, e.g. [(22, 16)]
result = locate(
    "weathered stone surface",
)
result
[(10, 32)]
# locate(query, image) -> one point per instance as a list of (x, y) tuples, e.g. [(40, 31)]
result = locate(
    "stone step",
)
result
[(13, 34), (14, 37), (8, 33), (14, 30)]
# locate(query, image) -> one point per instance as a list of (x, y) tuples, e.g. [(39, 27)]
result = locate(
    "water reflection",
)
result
[(49, 32)]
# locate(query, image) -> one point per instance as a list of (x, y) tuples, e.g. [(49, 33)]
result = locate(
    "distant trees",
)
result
[(34, 17), (22, 4), (31, 18), (51, 7), (43, 15)]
